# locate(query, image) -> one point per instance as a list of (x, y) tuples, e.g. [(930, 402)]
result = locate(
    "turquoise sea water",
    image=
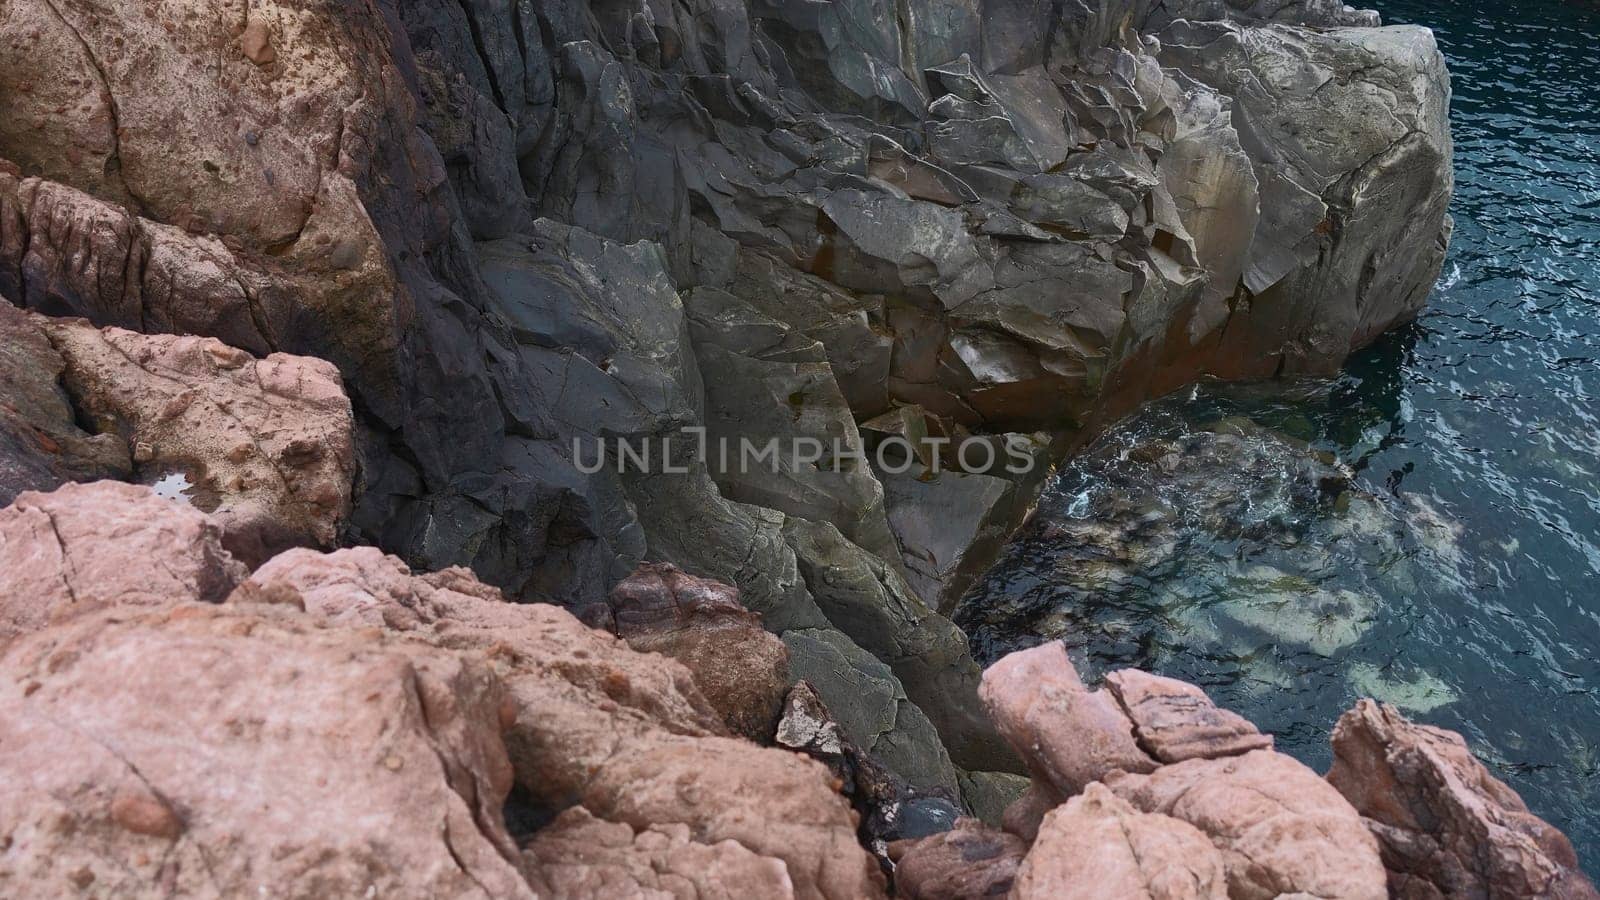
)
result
[(1458, 574)]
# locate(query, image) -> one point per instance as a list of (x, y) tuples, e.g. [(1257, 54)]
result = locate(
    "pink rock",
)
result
[(1280, 828), (245, 751), (1447, 827), (266, 445), (970, 860), (1174, 720), (738, 665), (625, 734), (1098, 847), (1069, 736), (84, 547), (580, 857)]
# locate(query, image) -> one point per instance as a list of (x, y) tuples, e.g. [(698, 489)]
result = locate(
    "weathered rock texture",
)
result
[(41, 443), (240, 751), (265, 445), (579, 857), (626, 735), (342, 726), (515, 227), (1447, 827), (85, 547), (742, 670), (1165, 749), (1096, 845), (969, 860)]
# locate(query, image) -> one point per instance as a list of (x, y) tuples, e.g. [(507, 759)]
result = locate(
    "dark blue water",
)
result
[(1443, 552)]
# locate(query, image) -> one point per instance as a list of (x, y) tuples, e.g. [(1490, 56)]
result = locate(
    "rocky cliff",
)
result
[(517, 227), (337, 725)]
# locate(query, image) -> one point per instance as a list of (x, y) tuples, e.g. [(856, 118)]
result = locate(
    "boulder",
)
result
[(1175, 720), (1447, 828), (1349, 135), (1279, 828), (234, 750), (626, 735), (85, 547), (263, 445), (742, 669), (1068, 735), (969, 860), (1098, 846)]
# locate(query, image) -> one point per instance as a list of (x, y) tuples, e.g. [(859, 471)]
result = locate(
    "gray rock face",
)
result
[(519, 230)]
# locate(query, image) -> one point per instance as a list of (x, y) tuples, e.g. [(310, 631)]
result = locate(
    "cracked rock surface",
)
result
[(517, 230)]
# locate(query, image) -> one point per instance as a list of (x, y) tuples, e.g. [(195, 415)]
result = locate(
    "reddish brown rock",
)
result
[(84, 547), (1068, 735), (738, 665), (265, 445), (1023, 816), (1447, 827), (41, 445), (1280, 829), (579, 857), (1097, 847), (627, 735), (245, 751), (971, 860), (1174, 720)]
